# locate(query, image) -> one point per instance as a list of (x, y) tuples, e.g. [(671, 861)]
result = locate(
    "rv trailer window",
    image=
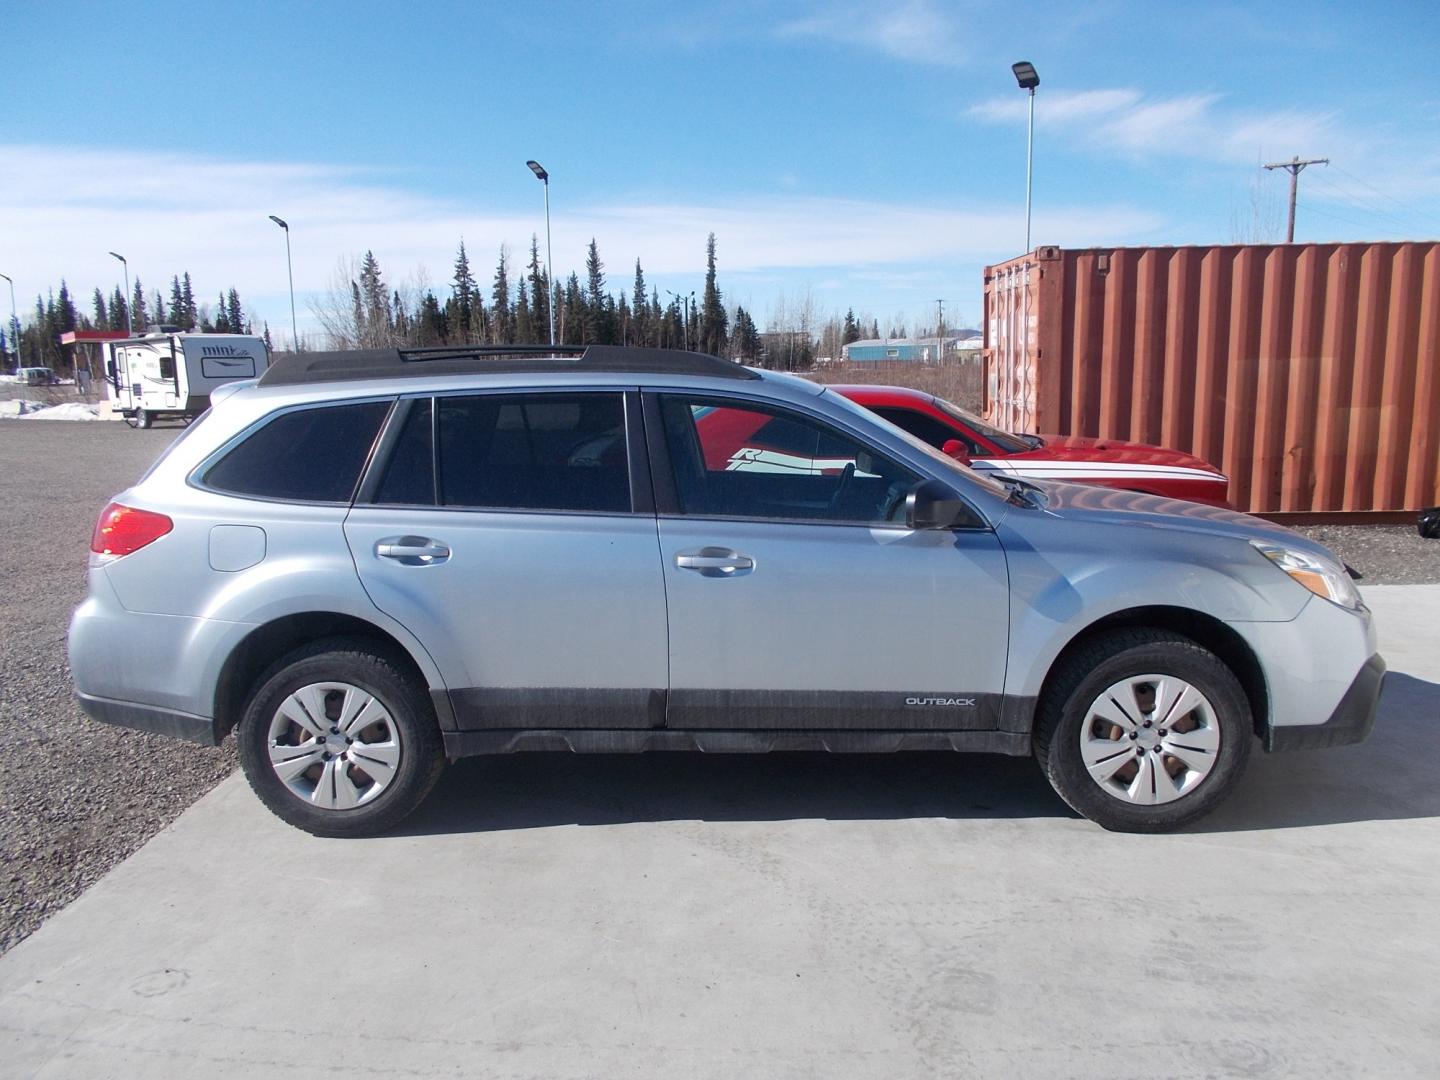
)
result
[(167, 367)]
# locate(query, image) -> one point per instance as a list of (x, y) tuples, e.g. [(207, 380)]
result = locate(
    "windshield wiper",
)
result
[(1034, 494)]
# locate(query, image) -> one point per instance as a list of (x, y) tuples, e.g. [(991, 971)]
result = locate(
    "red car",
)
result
[(1069, 458)]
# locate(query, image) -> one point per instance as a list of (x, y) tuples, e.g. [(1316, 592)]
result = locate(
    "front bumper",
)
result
[(1351, 721)]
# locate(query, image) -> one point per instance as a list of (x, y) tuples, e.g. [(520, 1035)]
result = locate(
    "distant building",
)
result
[(930, 350)]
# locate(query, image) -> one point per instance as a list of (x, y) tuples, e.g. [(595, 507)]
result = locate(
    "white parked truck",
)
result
[(170, 373)]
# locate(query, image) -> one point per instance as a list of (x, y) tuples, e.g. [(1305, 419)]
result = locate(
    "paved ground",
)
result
[(785, 916)]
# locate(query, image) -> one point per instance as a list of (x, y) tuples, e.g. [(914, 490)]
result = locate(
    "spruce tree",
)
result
[(502, 319), (102, 317), (139, 309), (177, 304), (640, 309), (714, 329), (158, 314), (236, 312), (222, 316), (524, 322), (119, 309), (464, 292), (599, 317), (575, 315), (539, 293), (430, 323), (376, 316), (852, 328), (187, 302)]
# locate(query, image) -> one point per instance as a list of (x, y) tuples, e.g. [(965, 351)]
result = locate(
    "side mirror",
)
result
[(110, 369), (956, 449), (932, 505)]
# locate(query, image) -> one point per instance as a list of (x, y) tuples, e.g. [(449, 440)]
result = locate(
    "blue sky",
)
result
[(868, 155)]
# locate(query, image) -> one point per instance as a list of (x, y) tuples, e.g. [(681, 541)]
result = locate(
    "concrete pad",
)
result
[(781, 916)]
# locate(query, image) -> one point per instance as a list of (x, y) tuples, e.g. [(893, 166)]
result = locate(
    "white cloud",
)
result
[(62, 210), (1141, 126), (913, 30)]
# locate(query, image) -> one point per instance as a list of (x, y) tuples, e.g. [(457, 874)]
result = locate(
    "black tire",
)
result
[(131, 418), (1087, 673), (144, 419), (368, 667)]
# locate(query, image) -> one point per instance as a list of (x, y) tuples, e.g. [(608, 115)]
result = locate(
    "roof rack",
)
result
[(315, 367)]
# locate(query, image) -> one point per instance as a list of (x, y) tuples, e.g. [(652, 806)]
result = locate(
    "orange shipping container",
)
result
[(1309, 373)]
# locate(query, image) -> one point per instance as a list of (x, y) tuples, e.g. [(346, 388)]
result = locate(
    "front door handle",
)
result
[(715, 562), (412, 550)]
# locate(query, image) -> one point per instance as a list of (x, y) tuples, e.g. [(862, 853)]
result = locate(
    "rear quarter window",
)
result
[(308, 455)]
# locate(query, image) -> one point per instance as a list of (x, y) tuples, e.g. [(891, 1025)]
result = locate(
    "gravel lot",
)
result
[(1384, 554), (76, 797)]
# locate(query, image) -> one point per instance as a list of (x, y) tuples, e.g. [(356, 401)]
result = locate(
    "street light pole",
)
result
[(14, 324), (290, 271), (1028, 79), (129, 322), (544, 178)]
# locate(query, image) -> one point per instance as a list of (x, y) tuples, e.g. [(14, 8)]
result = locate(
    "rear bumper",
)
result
[(151, 718), (1351, 721)]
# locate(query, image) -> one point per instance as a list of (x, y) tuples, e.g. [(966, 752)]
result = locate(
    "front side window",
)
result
[(308, 455), (750, 461), (926, 428), (559, 452)]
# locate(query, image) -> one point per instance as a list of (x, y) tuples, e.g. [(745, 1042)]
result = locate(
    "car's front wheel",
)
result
[(339, 740), (1143, 730)]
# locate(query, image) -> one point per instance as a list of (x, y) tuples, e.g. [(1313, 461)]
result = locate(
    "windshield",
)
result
[(943, 460), (1011, 444)]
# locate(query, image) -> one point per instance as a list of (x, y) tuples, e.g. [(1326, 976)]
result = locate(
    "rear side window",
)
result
[(561, 452), (309, 455)]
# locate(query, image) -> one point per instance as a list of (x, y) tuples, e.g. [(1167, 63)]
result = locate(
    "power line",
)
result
[(1384, 216), (1420, 215)]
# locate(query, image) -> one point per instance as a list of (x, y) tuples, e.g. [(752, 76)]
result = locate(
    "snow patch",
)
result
[(71, 410)]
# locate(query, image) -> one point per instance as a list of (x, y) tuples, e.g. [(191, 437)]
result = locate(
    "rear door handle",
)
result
[(715, 562), (412, 550)]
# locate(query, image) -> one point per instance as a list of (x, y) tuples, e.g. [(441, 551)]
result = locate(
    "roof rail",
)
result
[(313, 367)]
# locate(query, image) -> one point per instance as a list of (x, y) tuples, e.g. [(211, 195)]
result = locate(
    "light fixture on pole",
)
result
[(14, 323), (129, 324), (544, 178), (1028, 79), (290, 271)]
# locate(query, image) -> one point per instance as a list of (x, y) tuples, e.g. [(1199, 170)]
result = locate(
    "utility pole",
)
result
[(1295, 167), (940, 331)]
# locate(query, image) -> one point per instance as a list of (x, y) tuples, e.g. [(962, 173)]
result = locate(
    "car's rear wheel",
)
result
[(339, 740), (144, 418), (1143, 730)]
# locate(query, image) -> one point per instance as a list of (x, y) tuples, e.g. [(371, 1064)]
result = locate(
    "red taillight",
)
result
[(123, 529)]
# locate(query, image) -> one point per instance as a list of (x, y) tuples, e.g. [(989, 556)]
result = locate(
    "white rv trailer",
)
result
[(171, 373)]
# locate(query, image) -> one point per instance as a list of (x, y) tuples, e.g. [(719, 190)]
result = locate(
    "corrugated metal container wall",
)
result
[(1309, 373)]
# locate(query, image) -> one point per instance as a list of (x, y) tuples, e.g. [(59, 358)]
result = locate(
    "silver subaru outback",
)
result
[(369, 563)]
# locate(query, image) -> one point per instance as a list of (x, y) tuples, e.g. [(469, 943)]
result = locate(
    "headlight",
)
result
[(1320, 575)]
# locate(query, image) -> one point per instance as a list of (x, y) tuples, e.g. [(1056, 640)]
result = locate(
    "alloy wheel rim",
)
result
[(1150, 739), (334, 745)]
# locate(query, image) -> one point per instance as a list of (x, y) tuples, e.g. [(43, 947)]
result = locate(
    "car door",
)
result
[(509, 533), (797, 597)]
